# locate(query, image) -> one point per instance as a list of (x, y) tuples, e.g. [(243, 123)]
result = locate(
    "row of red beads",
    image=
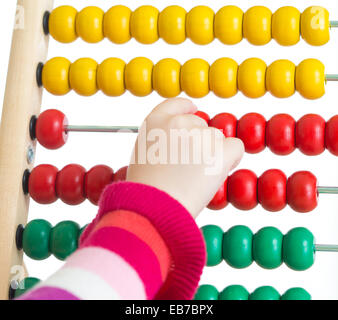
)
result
[(72, 184), (242, 189), (273, 190), (281, 134)]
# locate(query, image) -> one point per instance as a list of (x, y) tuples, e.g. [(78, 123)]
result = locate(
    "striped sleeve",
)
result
[(124, 258), (142, 245)]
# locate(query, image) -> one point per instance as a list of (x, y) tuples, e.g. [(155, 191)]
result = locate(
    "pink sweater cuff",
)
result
[(173, 222)]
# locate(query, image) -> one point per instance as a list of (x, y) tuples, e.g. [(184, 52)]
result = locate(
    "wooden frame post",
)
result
[(22, 100)]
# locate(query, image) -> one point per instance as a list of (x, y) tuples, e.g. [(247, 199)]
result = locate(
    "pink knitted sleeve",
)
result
[(175, 225), (142, 244)]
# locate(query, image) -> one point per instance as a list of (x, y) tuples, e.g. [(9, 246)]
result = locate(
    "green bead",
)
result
[(206, 292), (25, 285), (298, 249), (64, 239), (36, 239), (265, 293), (296, 294), (235, 292), (267, 248), (237, 247), (213, 237)]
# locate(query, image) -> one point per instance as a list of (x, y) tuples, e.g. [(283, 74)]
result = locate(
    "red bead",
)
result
[(203, 115), (331, 135), (96, 179), (301, 191), (271, 190), (310, 134), (280, 134), (50, 129), (219, 201), (70, 184), (251, 130), (121, 174), (226, 122), (242, 189), (41, 184)]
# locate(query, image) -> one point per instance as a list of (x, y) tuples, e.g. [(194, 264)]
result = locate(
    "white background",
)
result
[(114, 149)]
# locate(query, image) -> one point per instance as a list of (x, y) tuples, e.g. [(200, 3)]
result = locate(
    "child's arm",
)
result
[(144, 243)]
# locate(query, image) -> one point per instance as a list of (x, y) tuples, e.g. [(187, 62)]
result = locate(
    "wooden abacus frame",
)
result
[(22, 100)]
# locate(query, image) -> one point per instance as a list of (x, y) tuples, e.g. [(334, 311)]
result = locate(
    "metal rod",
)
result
[(326, 247), (333, 24), (331, 77), (130, 129), (327, 190)]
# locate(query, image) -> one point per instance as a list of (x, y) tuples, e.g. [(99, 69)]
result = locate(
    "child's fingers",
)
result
[(173, 107), (187, 121)]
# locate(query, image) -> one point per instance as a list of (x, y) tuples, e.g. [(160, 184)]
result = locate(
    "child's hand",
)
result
[(157, 161)]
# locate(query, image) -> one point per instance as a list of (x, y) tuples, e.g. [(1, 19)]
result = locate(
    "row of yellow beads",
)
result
[(196, 78), (230, 25)]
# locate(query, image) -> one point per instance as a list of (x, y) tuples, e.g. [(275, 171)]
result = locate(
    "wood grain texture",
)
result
[(22, 100)]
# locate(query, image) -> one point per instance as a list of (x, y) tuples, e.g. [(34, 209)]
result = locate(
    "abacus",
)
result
[(23, 126)]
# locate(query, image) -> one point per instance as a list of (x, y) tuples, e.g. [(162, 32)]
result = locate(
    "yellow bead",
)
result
[(315, 26), (257, 25), (251, 77), (116, 24), (195, 78), (200, 25), (62, 24), (286, 26), (89, 24), (280, 78), (138, 76), (166, 78), (82, 76), (55, 76), (171, 24), (310, 79), (143, 24), (223, 77), (229, 25), (110, 77)]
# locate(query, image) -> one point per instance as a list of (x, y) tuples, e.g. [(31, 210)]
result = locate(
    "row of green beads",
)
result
[(209, 292), (239, 247), (237, 292), (25, 285), (40, 239)]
